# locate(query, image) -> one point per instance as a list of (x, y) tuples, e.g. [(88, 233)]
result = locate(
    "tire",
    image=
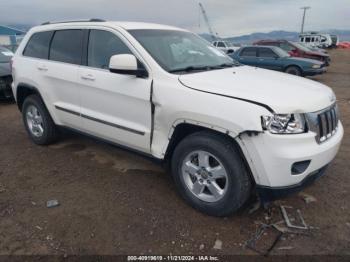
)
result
[(293, 70), (44, 133), (236, 186)]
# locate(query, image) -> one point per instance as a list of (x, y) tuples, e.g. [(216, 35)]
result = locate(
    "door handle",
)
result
[(42, 68), (88, 77)]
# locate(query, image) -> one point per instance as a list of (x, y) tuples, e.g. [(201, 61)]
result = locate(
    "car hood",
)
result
[(281, 92), (315, 53)]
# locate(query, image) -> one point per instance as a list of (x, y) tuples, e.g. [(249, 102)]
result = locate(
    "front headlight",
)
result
[(316, 66), (284, 123)]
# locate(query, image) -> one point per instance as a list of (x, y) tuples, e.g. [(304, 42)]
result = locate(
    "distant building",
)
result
[(10, 37)]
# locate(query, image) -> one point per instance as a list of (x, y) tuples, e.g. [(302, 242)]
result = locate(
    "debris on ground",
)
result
[(52, 203), (260, 241), (218, 244), (38, 227), (285, 248), (307, 198), (2, 188), (201, 247), (289, 219), (267, 235)]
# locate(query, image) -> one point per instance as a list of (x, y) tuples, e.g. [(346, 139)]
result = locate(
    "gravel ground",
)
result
[(115, 202)]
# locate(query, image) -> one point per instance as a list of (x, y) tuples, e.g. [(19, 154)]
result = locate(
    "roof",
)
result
[(6, 30), (124, 25)]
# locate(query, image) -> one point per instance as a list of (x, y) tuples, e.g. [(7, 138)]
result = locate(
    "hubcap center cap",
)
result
[(203, 173)]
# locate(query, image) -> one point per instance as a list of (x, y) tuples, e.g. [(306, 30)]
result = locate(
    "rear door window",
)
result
[(249, 52), (38, 45), (67, 46), (102, 46)]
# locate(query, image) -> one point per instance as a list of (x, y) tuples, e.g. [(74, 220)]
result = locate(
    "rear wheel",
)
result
[(293, 70), (38, 122), (210, 174)]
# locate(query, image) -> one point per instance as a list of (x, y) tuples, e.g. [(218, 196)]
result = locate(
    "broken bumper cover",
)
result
[(273, 158), (267, 194)]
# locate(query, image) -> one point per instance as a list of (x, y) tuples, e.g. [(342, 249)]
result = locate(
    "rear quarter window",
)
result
[(38, 45)]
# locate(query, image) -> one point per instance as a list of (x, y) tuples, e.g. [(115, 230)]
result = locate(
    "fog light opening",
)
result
[(300, 167)]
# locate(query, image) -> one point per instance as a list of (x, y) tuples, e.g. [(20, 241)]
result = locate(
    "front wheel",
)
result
[(293, 70), (210, 174)]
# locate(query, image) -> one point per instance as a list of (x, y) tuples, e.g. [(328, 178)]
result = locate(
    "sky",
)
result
[(227, 17)]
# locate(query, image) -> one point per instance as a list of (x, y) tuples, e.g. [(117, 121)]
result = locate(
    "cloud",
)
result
[(226, 16)]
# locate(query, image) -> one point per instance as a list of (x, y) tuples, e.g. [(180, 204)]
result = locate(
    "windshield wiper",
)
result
[(203, 68), (190, 69)]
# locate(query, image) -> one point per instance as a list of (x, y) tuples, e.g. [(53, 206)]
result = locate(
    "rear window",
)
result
[(38, 45), (67, 46), (248, 51)]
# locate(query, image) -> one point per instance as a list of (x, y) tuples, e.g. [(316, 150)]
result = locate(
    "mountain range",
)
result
[(344, 35)]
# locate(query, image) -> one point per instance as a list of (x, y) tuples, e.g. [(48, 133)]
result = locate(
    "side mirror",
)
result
[(126, 64), (230, 51)]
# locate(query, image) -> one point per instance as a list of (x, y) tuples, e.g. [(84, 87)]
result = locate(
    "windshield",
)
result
[(280, 52), (177, 51), (5, 55), (304, 48)]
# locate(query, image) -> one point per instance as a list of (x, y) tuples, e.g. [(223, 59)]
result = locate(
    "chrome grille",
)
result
[(324, 123)]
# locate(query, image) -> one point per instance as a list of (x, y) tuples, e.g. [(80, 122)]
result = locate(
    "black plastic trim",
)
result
[(268, 194), (101, 121)]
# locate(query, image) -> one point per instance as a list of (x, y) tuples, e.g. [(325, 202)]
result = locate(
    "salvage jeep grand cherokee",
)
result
[(227, 130)]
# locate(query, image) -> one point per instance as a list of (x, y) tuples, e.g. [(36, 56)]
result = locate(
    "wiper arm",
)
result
[(190, 69)]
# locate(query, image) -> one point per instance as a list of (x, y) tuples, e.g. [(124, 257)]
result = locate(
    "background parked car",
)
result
[(5, 73), (274, 58), (226, 46), (335, 40), (316, 40), (297, 50), (314, 49)]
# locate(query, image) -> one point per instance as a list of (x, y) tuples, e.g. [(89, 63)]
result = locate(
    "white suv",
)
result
[(227, 130)]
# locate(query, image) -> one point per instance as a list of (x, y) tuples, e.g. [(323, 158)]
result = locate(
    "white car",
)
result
[(225, 46), (316, 40), (226, 130)]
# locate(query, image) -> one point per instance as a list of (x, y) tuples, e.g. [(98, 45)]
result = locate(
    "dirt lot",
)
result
[(116, 202)]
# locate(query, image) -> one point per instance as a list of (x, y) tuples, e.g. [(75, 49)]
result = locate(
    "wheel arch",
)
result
[(186, 128), (23, 91), (294, 65)]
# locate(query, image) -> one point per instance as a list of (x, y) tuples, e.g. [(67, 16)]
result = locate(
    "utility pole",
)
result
[(206, 19), (303, 22)]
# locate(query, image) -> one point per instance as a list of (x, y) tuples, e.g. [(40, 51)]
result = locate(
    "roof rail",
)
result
[(75, 21)]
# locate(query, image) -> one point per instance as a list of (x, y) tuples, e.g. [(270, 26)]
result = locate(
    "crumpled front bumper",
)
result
[(271, 159)]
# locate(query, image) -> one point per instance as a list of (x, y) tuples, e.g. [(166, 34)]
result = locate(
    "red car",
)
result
[(296, 50)]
